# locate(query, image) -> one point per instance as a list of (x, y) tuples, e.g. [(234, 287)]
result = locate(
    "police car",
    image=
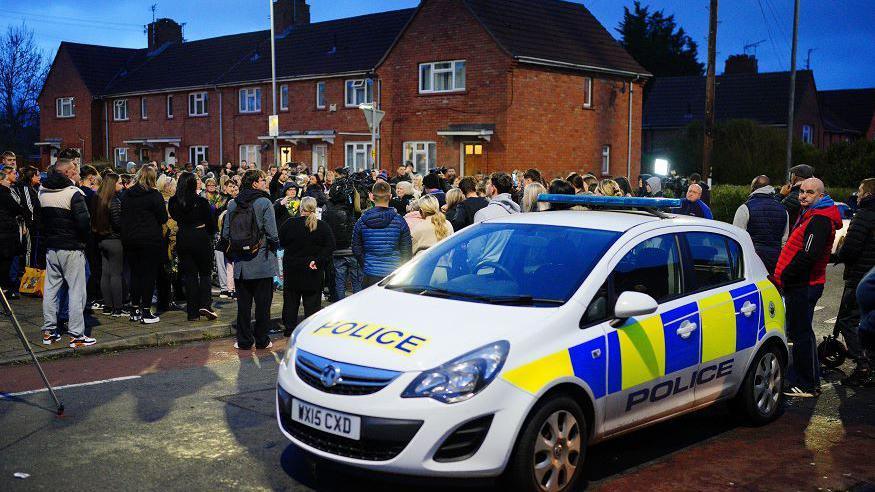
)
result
[(512, 345)]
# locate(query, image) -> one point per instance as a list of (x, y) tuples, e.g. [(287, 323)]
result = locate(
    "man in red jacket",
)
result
[(801, 273)]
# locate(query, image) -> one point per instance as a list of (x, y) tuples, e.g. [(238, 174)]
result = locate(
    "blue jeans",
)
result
[(800, 301), (346, 266)]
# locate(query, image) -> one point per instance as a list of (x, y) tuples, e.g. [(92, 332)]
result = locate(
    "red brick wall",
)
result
[(808, 113), (444, 30), (77, 132), (553, 131)]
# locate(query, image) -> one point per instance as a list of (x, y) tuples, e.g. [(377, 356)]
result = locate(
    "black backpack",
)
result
[(244, 235)]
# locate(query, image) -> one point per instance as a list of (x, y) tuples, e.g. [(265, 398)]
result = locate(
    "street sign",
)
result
[(273, 125), (372, 114)]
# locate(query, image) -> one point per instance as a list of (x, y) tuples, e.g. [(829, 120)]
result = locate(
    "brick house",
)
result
[(479, 85), (848, 114)]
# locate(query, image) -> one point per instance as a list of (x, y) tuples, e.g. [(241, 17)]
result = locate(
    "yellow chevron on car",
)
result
[(773, 306), (642, 348), (718, 326), (535, 375)]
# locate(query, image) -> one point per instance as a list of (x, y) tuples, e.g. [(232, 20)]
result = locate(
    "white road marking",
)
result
[(56, 388), (817, 308)]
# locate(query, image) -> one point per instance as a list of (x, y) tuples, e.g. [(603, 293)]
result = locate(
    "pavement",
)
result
[(116, 333)]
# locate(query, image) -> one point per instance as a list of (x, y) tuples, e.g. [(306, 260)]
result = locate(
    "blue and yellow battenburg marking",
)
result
[(650, 348), (398, 341)]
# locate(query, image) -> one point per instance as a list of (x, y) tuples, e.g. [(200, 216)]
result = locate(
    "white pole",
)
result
[(276, 156)]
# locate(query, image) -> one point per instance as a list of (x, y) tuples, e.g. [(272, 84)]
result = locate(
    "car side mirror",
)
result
[(631, 304)]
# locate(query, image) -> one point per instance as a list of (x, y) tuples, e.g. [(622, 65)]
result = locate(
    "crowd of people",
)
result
[(128, 243)]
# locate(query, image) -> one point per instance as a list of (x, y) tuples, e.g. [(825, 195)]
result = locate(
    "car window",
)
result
[(506, 261), (599, 308), (714, 261), (653, 267)]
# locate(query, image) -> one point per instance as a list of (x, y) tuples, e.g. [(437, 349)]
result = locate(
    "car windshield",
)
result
[(511, 264)]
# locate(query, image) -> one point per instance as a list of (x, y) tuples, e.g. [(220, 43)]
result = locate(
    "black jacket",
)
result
[(791, 203), (115, 219), (400, 204), (197, 214), (858, 250), (316, 191), (143, 214), (10, 211), (463, 214), (22, 193), (341, 219), (301, 247), (65, 217)]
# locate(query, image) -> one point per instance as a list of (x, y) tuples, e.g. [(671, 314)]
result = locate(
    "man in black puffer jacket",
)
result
[(11, 212), (463, 214), (341, 217), (67, 226), (858, 255)]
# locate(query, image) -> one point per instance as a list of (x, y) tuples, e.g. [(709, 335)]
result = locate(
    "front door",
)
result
[(170, 155), (285, 155), (320, 157), (473, 158), (651, 359)]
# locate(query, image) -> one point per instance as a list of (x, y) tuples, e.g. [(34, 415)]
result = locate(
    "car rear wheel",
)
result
[(760, 398), (550, 450)]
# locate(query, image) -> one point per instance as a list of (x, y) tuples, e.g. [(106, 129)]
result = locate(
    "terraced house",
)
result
[(478, 85)]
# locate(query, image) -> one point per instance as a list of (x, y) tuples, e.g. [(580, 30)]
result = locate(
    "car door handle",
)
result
[(748, 308), (686, 329)]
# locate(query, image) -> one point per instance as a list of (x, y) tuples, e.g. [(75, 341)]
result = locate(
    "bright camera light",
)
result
[(660, 167)]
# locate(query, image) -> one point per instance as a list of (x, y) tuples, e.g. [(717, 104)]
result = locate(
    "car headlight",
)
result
[(462, 377), (287, 358)]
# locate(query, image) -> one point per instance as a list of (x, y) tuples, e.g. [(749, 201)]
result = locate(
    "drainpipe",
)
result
[(106, 131), (629, 148), (221, 130)]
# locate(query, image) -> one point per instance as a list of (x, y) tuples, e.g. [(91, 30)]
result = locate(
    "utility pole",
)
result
[(792, 89), (274, 117), (710, 90)]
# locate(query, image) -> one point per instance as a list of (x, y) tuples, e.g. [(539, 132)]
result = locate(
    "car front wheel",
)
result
[(551, 447), (760, 398)]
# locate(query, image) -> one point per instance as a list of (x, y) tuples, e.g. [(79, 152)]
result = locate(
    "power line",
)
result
[(769, 31), (62, 19), (79, 24)]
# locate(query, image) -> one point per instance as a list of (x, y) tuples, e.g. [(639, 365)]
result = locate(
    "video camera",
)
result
[(438, 170)]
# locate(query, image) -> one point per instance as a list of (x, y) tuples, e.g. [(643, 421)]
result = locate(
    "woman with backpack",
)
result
[(194, 216), (250, 230), (143, 215), (309, 245)]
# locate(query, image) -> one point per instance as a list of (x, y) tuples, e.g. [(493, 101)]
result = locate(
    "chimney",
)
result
[(746, 64), (163, 31), (288, 13)]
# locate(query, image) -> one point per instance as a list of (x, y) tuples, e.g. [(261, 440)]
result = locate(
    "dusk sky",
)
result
[(842, 32)]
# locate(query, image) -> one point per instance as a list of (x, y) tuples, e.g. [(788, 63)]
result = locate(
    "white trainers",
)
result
[(83, 341)]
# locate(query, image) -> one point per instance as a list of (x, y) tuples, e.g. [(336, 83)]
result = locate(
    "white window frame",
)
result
[(198, 101), (170, 106), (352, 88), (244, 99), (120, 110), (352, 149), (144, 109), (606, 159), (284, 97), (118, 153), (251, 154), (63, 103), (197, 154), (320, 91), (808, 134), (427, 83), (587, 92), (420, 148)]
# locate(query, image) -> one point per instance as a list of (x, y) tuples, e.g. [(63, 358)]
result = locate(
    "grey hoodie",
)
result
[(655, 183), (500, 206)]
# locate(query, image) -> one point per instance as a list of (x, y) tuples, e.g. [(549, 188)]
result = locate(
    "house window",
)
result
[(423, 155), (448, 76), (587, 92), (359, 92), (120, 110), (606, 159), (169, 107), (144, 112), (250, 100), (144, 155), (197, 104), (121, 156), (64, 107), (284, 97), (473, 149), (251, 154), (320, 95), (198, 154), (807, 134), (358, 155)]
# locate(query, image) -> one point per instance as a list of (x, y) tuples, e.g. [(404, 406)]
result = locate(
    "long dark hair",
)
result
[(186, 190), (101, 223)]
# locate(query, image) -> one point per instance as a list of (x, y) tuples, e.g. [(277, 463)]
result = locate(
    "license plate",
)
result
[(331, 421)]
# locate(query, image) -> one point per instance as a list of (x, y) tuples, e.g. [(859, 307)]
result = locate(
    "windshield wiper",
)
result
[(514, 300), (521, 300)]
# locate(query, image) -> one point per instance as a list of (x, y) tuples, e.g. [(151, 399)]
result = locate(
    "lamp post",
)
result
[(273, 123)]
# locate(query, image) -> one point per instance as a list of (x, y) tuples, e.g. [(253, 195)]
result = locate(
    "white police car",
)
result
[(512, 345)]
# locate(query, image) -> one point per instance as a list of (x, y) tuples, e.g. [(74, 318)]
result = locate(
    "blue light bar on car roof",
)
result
[(611, 201)]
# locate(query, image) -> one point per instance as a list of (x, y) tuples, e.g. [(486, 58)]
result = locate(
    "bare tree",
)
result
[(23, 70)]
